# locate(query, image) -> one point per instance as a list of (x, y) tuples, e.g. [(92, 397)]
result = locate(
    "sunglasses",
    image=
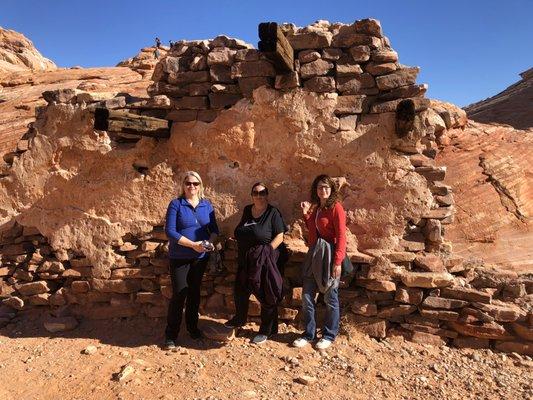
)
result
[(261, 193), (323, 187), (192, 184)]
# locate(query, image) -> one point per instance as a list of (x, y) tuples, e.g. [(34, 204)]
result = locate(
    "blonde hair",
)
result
[(197, 176)]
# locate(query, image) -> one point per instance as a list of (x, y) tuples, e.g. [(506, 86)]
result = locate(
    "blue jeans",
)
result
[(331, 298)]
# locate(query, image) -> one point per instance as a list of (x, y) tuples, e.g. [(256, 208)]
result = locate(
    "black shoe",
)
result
[(233, 323), (196, 334), (169, 344)]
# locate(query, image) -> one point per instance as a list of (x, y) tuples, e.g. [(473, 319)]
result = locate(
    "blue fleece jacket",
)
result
[(193, 223)]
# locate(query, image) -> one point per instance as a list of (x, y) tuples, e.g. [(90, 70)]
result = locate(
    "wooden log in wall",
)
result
[(276, 46), (121, 121)]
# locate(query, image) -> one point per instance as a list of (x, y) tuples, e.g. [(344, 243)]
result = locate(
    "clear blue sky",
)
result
[(467, 50)]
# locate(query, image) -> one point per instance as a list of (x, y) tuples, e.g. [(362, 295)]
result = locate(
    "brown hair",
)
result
[(334, 196)]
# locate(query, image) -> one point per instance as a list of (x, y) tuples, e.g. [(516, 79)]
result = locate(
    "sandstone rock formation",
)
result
[(17, 54), (513, 106), (82, 210), (144, 62), (490, 170), (21, 95)]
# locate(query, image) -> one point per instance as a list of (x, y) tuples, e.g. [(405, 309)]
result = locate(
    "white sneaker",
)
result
[(300, 342), (323, 344)]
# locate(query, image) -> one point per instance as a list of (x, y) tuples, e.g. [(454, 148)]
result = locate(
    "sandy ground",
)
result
[(35, 364)]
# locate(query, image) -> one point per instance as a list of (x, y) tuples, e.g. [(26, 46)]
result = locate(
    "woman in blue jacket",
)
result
[(190, 221)]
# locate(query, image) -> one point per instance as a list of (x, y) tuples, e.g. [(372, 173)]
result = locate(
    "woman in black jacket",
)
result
[(261, 225)]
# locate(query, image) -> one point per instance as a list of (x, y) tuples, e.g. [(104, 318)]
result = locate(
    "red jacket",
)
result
[(331, 223)]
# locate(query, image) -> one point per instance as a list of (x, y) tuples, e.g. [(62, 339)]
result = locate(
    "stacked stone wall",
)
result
[(414, 295), (202, 78)]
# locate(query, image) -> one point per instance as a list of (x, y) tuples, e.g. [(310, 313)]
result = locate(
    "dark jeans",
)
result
[(269, 314), (186, 277)]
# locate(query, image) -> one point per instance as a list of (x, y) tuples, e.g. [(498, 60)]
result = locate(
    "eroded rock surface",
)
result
[(145, 61), (490, 169), (17, 53)]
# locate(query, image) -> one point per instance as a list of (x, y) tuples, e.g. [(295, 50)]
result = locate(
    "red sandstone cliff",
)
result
[(490, 169), (513, 106), (490, 165)]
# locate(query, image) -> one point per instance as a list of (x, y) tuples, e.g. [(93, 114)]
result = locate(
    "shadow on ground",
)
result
[(128, 332)]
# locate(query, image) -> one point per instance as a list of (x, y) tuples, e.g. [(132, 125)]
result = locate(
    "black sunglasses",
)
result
[(192, 183), (263, 192)]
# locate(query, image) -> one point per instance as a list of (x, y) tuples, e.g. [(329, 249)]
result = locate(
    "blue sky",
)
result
[(467, 50)]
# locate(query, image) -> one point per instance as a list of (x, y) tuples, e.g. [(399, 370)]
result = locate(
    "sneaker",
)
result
[(323, 344), (300, 342), (260, 338), (233, 324), (169, 344), (196, 334)]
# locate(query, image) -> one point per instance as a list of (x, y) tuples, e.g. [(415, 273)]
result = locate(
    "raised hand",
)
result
[(306, 207)]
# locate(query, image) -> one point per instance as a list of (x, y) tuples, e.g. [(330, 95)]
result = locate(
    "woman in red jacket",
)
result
[(326, 222)]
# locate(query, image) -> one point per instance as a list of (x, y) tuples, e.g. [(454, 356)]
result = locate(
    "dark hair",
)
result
[(259, 184), (333, 198)]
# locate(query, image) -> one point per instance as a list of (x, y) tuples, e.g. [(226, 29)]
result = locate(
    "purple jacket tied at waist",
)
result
[(261, 274)]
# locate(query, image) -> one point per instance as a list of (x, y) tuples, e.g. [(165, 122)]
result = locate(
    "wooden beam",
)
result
[(275, 46), (121, 121)]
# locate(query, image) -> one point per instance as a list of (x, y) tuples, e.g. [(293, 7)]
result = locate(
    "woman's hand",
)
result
[(278, 239), (197, 246), (306, 206), (336, 273)]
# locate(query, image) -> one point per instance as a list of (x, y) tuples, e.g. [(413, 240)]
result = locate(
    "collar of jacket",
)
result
[(183, 201)]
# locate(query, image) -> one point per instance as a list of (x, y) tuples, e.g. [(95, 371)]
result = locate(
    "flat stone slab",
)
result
[(217, 331), (60, 324), (427, 279)]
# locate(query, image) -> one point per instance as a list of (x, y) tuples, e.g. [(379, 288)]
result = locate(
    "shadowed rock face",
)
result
[(513, 106), (17, 53)]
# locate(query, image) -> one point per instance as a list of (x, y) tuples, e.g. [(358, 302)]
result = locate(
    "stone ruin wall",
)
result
[(86, 236)]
